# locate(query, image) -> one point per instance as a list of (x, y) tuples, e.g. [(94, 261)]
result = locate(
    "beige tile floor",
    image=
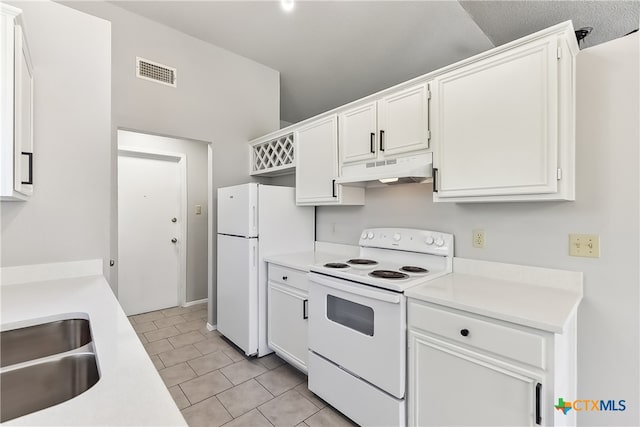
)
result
[(214, 383)]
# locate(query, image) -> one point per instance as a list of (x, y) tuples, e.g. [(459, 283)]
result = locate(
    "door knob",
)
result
[(174, 219), (174, 240)]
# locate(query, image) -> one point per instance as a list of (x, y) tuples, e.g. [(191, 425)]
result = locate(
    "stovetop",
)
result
[(364, 276), (398, 255)]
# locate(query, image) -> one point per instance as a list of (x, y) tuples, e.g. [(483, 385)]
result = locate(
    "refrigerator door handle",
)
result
[(253, 213), (254, 256)]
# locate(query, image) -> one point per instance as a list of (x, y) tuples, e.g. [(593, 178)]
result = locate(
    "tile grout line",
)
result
[(226, 352), (227, 378), (254, 378), (262, 413)]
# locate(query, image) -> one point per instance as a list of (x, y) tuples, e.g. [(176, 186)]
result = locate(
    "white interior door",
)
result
[(149, 198)]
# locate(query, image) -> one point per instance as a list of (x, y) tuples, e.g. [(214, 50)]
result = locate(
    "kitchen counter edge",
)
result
[(130, 390), (536, 297)]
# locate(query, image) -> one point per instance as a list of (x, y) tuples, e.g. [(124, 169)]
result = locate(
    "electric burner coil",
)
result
[(336, 265), (414, 269), (388, 274), (361, 261)]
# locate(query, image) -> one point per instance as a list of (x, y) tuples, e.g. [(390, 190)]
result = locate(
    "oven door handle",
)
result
[(362, 290)]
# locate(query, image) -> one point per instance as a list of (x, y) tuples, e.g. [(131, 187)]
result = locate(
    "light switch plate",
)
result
[(198, 209), (584, 245)]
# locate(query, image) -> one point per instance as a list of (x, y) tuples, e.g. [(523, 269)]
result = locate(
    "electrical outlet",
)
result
[(584, 245), (478, 238)]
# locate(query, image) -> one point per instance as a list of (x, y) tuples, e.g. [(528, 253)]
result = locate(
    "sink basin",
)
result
[(34, 387), (34, 342)]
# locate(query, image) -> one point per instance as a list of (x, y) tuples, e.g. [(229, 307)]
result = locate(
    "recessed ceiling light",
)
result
[(287, 5)]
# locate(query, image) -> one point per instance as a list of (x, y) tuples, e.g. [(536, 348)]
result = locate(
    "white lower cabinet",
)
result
[(453, 388), (469, 370), (288, 314)]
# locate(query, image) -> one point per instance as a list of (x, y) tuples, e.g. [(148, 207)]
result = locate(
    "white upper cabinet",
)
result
[(317, 166), (273, 155), (358, 128), (403, 120), (497, 125), (16, 109), (395, 124), (501, 126)]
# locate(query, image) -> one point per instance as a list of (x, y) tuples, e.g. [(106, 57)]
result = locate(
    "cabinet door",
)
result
[(288, 323), (317, 162), (358, 133), (403, 121), (23, 107), (449, 388), (495, 124)]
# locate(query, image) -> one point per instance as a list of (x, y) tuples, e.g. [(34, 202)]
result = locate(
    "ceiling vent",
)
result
[(155, 72)]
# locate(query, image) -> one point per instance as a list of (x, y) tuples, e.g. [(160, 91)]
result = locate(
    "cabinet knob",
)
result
[(284, 277), (464, 332)]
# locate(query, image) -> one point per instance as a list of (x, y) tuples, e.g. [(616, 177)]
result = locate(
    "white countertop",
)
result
[(130, 390), (539, 298), (303, 260)]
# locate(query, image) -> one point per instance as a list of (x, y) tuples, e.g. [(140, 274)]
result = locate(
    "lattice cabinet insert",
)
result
[(275, 156)]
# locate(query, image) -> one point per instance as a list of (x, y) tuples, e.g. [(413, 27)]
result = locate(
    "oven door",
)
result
[(361, 329)]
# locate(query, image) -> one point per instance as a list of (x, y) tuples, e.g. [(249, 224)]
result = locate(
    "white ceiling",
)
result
[(331, 52), (504, 21)]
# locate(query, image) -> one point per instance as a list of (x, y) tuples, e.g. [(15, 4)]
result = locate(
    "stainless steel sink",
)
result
[(34, 387), (44, 365), (34, 342)]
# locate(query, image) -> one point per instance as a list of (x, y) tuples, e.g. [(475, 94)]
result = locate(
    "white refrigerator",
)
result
[(254, 221)]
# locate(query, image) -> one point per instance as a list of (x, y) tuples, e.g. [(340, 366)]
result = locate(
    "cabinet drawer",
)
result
[(486, 335), (288, 276)]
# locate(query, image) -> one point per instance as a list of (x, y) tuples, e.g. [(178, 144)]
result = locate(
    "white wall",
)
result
[(607, 203), (221, 98), (67, 218), (197, 194)]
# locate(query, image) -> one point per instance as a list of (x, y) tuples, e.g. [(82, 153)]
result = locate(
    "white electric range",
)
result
[(357, 321)]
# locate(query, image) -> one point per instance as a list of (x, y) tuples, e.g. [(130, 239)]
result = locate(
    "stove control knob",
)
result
[(397, 237), (371, 235), (429, 240), (439, 242), (364, 235)]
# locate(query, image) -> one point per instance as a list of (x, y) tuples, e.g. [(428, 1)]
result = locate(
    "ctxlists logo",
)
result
[(590, 405), (563, 406)]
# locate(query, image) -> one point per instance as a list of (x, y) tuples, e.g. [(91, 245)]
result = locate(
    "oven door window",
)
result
[(350, 314)]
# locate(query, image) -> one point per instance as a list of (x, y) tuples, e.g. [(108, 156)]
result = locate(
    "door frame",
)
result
[(181, 159)]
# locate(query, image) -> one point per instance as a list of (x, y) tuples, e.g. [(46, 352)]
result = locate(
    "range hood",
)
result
[(411, 168)]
